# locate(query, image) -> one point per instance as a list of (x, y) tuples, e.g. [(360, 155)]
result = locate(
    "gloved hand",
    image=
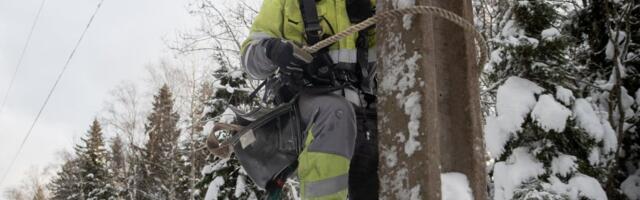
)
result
[(286, 55)]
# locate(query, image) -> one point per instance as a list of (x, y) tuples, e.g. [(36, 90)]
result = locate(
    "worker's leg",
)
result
[(324, 163), (363, 174)]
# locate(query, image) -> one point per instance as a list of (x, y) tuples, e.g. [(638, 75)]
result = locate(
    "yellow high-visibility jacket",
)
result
[(283, 19)]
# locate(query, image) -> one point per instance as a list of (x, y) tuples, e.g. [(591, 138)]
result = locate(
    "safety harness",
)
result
[(321, 75)]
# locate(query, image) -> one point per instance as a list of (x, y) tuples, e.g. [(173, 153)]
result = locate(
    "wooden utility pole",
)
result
[(429, 116)]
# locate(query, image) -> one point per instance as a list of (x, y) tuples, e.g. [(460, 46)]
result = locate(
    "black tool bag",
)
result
[(270, 142)]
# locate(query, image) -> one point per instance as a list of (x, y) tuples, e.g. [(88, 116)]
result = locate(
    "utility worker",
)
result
[(342, 137)]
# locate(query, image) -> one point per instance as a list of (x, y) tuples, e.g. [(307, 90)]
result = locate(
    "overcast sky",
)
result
[(125, 36)]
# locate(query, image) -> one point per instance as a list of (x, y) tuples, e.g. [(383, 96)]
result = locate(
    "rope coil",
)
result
[(448, 15)]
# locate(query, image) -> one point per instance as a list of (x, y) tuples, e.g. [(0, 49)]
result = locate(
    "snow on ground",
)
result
[(214, 188), (515, 99), (631, 186), (509, 174), (455, 186), (549, 114)]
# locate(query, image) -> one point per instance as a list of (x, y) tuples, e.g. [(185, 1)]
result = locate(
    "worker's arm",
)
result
[(267, 25), (265, 50)]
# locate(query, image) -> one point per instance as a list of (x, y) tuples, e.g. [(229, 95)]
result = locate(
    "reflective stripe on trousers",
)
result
[(323, 165), (323, 176)]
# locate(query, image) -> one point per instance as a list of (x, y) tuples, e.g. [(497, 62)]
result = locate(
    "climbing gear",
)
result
[(290, 60), (320, 71), (358, 12)]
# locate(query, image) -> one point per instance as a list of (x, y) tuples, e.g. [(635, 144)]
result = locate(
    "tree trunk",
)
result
[(446, 87)]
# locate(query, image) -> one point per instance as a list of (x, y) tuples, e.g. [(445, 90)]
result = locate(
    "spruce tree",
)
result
[(137, 183), (225, 176), (606, 37), (161, 157), (117, 166), (548, 139), (92, 155), (194, 156), (66, 183)]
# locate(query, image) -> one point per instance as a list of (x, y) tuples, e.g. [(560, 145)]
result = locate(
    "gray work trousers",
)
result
[(336, 127)]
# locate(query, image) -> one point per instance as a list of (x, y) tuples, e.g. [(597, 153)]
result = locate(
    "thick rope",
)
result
[(448, 15)]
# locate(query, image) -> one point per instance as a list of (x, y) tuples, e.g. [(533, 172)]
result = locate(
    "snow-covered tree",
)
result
[(66, 184), (117, 166), (194, 157), (161, 154), (224, 177), (218, 38), (606, 37), (548, 139), (92, 155)]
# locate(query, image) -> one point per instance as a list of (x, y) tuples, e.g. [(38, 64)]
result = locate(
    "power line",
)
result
[(53, 88), (24, 49)]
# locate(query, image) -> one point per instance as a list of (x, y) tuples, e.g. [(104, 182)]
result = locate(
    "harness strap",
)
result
[(312, 27), (255, 92), (362, 57)]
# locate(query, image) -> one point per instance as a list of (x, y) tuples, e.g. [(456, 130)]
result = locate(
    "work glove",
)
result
[(287, 56)]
